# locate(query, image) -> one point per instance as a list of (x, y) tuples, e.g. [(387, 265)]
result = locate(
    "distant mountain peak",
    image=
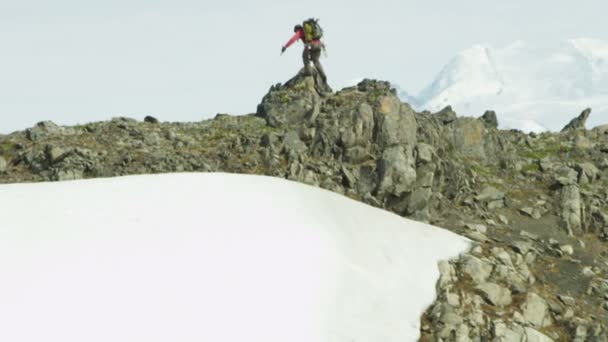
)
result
[(530, 86)]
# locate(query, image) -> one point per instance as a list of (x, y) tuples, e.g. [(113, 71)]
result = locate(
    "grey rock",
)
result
[(566, 176), (571, 209), (479, 270), (527, 211), (566, 249), (468, 137), (522, 247), (502, 333), (490, 120), (534, 335), (395, 123), (446, 115), (601, 130), (3, 165), (536, 311), (55, 154), (396, 171), (546, 165), (419, 200), (568, 301), (578, 123), (150, 119), (477, 227), (291, 103), (42, 130), (424, 153), (503, 256), (67, 175), (495, 294), (587, 173), (294, 147), (490, 193)]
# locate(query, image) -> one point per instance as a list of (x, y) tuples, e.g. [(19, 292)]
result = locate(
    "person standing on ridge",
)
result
[(310, 33)]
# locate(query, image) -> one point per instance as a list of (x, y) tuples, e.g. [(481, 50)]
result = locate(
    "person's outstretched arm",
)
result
[(293, 39)]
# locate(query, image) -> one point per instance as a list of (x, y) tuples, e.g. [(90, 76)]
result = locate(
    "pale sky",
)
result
[(75, 61)]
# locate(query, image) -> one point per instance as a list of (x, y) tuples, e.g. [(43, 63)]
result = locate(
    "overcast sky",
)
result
[(75, 61)]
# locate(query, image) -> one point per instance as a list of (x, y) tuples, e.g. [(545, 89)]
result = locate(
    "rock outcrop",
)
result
[(536, 205), (578, 123)]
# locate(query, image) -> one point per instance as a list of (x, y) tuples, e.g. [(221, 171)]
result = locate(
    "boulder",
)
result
[(489, 119), (587, 172), (534, 335), (578, 123), (43, 130), (396, 171), (395, 123), (479, 270), (536, 311), (292, 103), (495, 294)]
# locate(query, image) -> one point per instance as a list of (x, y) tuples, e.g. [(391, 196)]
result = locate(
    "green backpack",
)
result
[(312, 30)]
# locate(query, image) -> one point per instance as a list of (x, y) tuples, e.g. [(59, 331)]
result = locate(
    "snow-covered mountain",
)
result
[(210, 257), (531, 87)]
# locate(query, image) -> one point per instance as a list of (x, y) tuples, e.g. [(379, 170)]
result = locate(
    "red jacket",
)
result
[(300, 35)]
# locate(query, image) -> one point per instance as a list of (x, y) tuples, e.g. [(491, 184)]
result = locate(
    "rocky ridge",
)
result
[(535, 205)]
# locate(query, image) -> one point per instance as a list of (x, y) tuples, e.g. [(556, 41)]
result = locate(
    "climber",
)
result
[(310, 33)]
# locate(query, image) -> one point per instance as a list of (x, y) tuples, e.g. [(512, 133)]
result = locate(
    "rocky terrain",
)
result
[(535, 205)]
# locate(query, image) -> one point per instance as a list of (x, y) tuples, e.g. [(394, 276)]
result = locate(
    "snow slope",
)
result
[(210, 257), (532, 87)]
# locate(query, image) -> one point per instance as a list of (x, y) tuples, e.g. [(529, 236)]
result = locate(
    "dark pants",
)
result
[(312, 53)]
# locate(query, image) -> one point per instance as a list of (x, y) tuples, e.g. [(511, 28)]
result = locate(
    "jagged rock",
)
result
[(291, 103), (571, 209), (468, 136), (568, 301), (364, 143), (566, 176), (502, 333), (419, 200), (490, 120), (3, 165), (479, 270), (424, 153), (536, 311), (55, 154), (395, 123), (447, 274), (446, 115), (495, 294), (396, 171), (294, 147), (566, 249), (150, 119), (66, 175), (522, 247), (492, 197), (503, 256), (42, 130), (587, 173), (533, 213), (534, 335), (477, 227), (578, 123)]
